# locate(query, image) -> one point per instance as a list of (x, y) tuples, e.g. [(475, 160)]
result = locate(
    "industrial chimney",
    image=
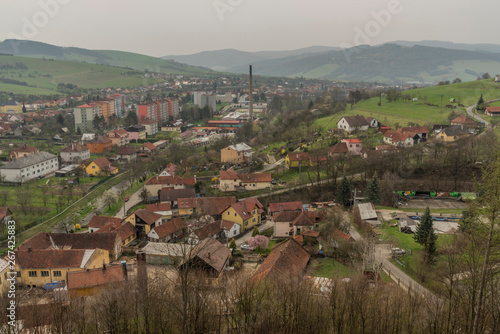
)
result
[(250, 97)]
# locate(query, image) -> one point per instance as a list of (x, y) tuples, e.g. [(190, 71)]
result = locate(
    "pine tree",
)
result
[(430, 248), (255, 231), (425, 236), (480, 103), (344, 192), (423, 228), (373, 192)]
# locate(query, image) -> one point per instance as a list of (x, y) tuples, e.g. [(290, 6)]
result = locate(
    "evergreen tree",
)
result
[(24, 108), (255, 231), (466, 223), (430, 249), (373, 192), (344, 192), (423, 228), (78, 131), (60, 119), (480, 103), (311, 104), (425, 236)]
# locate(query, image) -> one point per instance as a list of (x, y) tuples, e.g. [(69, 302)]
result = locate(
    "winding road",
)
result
[(470, 111)]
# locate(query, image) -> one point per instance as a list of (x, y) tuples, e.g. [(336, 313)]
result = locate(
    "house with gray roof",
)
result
[(356, 123), (29, 167)]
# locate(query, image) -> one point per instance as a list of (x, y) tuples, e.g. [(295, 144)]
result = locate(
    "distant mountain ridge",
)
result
[(385, 63), (398, 62), (131, 60), (225, 59)]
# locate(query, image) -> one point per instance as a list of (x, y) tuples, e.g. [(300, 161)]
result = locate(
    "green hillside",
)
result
[(105, 57), (427, 110), (38, 76)]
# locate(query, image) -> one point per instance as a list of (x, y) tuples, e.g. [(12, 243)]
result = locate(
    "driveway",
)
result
[(133, 200), (245, 237)]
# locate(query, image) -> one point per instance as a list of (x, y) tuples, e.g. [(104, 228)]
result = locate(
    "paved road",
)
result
[(470, 111), (133, 200), (382, 256)]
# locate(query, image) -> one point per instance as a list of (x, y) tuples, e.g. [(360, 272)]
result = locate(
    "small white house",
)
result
[(353, 123), (229, 228)]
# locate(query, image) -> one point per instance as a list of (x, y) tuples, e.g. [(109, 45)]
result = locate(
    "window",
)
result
[(45, 273), (253, 220), (228, 213), (235, 214), (57, 273), (32, 273), (18, 274)]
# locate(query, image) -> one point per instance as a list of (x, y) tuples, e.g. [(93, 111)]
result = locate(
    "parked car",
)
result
[(397, 251), (273, 181), (245, 247), (125, 199)]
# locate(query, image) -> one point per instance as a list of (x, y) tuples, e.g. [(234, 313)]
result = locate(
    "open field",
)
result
[(428, 107), (41, 76)]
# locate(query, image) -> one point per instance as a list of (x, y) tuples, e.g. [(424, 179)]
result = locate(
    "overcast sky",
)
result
[(170, 27)]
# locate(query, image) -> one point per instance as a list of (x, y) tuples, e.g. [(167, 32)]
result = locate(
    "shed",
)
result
[(368, 213)]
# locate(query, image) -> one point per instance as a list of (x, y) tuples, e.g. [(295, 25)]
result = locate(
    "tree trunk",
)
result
[(482, 283)]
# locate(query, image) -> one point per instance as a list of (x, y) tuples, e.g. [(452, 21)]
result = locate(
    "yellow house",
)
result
[(453, 133), (204, 205), (246, 213), (236, 153), (4, 275), (294, 160), (11, 107), (144, 221), (101, 166), (230, 180), (37, 267)]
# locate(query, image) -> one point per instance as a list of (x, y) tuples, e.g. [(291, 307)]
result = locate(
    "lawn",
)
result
[(450, 211), (413, 249), (328, 267)]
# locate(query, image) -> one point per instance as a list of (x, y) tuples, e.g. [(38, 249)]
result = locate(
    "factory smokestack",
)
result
[(250, 97)]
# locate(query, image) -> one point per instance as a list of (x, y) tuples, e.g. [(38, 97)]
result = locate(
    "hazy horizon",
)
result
[(178, 28)]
